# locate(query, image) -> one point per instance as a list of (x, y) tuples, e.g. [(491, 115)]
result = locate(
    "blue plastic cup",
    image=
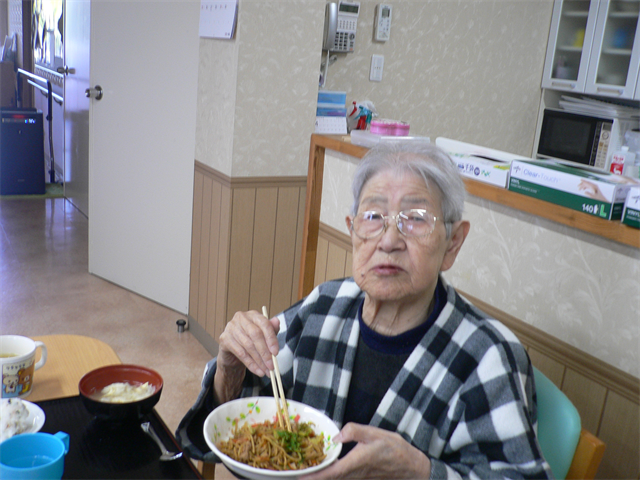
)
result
[(33, 456)]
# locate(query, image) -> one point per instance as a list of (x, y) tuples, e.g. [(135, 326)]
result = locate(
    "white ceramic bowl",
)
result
[(219, 426)]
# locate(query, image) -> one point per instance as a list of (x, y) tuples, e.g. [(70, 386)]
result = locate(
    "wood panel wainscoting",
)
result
[(246, 247), (607, 398)]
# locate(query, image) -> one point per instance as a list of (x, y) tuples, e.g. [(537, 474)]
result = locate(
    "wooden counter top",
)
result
[(611, 229)]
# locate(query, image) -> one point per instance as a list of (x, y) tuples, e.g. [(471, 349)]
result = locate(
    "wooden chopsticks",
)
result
[(282, 412)]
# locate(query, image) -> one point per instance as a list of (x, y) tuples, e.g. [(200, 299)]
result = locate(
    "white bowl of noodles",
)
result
[(224, 421)]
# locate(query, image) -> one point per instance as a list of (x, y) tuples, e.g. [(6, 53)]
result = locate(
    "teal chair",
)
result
[(559, 425)]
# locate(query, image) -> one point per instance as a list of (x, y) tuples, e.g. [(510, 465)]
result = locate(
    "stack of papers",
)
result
[(590, 106)]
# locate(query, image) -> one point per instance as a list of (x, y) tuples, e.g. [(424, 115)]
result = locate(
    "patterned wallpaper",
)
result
[(580, 288), (217, 79), (468, 70), (257, 92)]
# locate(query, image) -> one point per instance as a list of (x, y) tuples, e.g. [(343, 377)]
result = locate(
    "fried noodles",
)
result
[(264, 445)]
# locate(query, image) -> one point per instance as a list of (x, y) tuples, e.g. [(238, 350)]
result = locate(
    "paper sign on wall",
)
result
[(218, 18)]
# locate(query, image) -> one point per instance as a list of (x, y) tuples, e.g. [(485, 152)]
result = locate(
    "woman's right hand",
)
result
[(248, 341)]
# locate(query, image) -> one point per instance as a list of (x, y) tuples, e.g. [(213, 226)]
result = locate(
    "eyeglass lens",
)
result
[(412, 223)]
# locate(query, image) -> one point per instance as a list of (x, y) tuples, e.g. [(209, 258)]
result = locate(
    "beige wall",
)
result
[(257, 92), (468, 70)]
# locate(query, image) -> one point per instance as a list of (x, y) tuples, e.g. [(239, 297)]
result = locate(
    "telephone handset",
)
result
[(340, 24)]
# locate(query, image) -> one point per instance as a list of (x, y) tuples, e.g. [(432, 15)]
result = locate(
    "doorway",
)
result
[(140, 139)]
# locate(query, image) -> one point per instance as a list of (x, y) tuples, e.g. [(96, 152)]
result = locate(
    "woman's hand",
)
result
[(248, 341), (378, 454)]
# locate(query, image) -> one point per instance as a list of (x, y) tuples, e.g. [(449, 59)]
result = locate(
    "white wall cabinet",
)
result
[(615, 53), (594, 47), (570, 38)]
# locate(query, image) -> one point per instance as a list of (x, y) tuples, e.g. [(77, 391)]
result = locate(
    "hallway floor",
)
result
[(45, 288)]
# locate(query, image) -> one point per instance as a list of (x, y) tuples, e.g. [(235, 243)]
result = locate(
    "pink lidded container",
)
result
[(383, 127), (389, 127), (401, 129)]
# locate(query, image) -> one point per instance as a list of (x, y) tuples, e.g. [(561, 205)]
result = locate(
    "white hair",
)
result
[(419, 158)]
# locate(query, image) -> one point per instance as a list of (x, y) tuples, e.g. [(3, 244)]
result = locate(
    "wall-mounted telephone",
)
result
[(340, 24)]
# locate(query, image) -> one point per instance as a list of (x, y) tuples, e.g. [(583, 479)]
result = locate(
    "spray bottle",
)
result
[(621, 159)]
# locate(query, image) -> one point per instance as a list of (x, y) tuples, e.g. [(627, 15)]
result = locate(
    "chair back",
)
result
[(559, 425)]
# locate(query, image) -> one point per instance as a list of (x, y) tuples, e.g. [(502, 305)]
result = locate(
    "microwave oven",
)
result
[(576, 138)]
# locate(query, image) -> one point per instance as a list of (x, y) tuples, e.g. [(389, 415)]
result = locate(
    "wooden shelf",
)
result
[(610, 229)]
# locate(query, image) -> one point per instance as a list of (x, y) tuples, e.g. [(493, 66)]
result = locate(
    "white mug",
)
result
[(17, 360)]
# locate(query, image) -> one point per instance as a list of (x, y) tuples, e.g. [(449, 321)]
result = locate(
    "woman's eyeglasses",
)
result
[(411, 223)]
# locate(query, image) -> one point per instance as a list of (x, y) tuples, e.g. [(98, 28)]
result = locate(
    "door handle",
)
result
[(66, 70), (95, 92), (617, 91), (562, 84)]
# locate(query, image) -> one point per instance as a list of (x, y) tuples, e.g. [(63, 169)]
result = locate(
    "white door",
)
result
[(76, 105), (144, 55)]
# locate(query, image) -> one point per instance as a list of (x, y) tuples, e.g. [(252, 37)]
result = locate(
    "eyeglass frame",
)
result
[(396, 217)]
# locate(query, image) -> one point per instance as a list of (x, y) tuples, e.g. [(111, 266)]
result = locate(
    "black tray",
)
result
[(102, 450)]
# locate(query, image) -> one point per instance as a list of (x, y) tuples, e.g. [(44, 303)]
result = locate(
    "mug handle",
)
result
[(64, 438), (43, 356)]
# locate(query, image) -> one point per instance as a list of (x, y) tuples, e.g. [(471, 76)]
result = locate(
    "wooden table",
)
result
[(69, 357)]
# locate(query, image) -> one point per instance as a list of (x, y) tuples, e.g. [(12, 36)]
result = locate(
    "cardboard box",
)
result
[(599, 194), (480, 163), (482, 169), (631, 214)]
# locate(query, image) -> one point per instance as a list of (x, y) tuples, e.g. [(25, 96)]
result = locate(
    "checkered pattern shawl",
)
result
[(465, 396)]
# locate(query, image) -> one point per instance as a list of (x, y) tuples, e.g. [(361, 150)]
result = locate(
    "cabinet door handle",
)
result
[(617, 91), (562, 84)]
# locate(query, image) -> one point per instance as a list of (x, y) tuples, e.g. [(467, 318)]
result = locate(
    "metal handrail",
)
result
[(57, 98), (52, 171)]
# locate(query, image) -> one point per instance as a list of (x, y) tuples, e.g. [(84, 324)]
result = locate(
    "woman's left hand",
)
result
[(378, 454)]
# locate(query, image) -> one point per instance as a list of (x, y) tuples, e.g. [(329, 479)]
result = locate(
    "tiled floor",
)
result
[(45, 288)]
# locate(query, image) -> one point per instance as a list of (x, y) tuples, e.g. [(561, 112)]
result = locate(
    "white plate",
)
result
[(36, 417), (219, 424)]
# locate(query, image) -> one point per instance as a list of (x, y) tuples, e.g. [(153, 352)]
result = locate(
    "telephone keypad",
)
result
[(345, 41)]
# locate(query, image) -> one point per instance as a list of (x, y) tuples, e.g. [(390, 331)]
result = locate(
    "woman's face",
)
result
[(391, 266)]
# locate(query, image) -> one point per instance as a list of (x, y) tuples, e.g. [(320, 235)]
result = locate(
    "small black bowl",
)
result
[(94, 381)]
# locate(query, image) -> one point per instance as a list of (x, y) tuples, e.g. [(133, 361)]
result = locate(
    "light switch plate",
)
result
[(377, 65)]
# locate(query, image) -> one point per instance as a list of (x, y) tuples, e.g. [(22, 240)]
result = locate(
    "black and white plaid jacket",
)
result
[(465, 396)]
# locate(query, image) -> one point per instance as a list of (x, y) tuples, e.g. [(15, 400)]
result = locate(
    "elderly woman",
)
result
[(423, 384)]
